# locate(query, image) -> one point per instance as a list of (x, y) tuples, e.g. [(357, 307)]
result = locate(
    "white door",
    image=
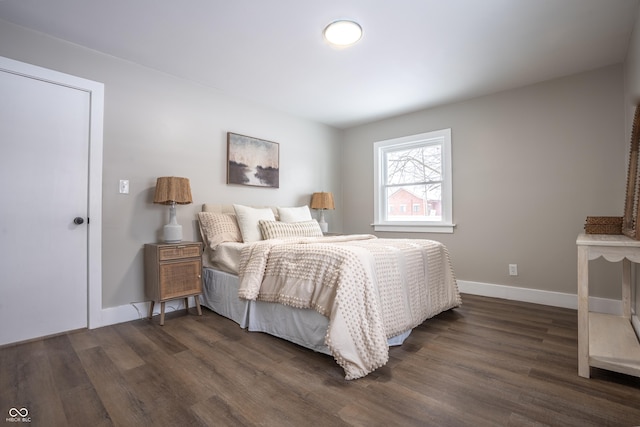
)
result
[(44, 166)]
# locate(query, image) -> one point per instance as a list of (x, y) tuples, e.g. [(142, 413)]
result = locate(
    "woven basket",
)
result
[(603, 225)]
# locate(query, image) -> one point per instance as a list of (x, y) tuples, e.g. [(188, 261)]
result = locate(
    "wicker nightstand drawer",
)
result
[(178, 252)]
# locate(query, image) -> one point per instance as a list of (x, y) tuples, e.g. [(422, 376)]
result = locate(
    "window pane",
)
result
[(414, 165), (426, 202)]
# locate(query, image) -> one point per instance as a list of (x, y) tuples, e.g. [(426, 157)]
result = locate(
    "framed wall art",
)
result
[(252, 161)]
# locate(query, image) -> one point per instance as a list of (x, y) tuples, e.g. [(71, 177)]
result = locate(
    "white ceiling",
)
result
[(414, 53)]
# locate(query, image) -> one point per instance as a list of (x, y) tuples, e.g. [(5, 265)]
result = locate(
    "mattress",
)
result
[(304, 327)]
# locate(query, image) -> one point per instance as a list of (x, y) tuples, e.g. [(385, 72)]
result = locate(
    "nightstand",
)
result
[(172, 271)]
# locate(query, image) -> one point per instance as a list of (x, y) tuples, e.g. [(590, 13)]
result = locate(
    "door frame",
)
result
[(94, 169)]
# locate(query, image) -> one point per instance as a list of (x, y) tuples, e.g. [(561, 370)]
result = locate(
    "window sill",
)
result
[(413, 228)]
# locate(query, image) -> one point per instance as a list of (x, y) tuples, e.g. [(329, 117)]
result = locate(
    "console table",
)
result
[(606, 341)]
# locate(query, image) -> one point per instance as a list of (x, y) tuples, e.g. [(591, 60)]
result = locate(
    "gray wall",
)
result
[(158, 125), (529, 165)]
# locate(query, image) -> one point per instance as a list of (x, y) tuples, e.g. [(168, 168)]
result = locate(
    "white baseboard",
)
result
[(538, 296), (138, 310)]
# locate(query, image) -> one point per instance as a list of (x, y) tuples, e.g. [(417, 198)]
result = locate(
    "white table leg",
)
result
[(583, 312), (626, 288)]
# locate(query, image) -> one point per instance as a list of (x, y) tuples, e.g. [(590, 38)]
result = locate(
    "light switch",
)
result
[(124, 186)]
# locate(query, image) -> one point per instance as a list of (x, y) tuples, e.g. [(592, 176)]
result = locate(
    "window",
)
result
[(414, 171)]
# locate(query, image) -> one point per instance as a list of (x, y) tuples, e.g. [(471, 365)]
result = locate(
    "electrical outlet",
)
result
[(124, 186), (513, 269)]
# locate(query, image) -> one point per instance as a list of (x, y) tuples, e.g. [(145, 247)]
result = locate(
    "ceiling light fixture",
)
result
[(343, 33)]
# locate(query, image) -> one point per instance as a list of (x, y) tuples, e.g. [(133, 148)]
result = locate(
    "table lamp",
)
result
[(169, 191), (322, 201)]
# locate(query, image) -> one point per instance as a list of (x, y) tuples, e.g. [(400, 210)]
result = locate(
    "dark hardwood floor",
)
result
[(490, 362)]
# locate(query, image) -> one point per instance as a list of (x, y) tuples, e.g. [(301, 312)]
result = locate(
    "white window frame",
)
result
[(445, 225)]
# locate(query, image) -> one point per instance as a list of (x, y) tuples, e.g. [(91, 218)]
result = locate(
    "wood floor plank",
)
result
[(156, 333), (255, 378), (66, 367), (486, 401), (33, 385), (83, 407), (117, 349), (84, 339), (120, 401), (163, 397), (215, 411), (9, 377), (80, 402), (490, 362)]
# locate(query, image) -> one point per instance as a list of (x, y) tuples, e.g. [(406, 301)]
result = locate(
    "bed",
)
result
[(272, 270)]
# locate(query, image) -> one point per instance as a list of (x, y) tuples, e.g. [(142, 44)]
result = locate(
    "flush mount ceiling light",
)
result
[(343, 33)]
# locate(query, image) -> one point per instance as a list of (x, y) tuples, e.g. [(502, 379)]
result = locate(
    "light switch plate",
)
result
[(124, 186)]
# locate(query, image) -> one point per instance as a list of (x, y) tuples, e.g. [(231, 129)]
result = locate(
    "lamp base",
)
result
[(173, 230), (172, 233), (323, 225)]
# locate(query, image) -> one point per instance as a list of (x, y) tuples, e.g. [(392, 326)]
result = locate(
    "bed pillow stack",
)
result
[(256, 224)]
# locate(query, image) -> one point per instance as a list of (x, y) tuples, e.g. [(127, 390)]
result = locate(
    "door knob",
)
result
[(78, 220)]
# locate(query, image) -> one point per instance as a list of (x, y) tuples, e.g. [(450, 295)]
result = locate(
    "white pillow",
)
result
[(248, 221), (278, 229), (299, 214)]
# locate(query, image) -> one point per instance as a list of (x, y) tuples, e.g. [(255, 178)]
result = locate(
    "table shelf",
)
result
[(613, 344)]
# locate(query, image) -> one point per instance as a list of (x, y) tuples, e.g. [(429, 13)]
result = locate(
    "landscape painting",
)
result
[(252, 161)]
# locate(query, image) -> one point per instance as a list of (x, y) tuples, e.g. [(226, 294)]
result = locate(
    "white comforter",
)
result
[(370, 289)]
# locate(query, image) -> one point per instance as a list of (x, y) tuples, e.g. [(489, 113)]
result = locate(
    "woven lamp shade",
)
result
[(172, 189), (322, 201)]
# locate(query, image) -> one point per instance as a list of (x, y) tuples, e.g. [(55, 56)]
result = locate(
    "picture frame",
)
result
[(631, 219), (252, 161)]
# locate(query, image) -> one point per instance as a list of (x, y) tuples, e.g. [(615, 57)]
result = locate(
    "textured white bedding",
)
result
[(369, 288)]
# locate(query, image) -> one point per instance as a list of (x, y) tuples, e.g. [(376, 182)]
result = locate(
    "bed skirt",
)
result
[(304, 327)]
